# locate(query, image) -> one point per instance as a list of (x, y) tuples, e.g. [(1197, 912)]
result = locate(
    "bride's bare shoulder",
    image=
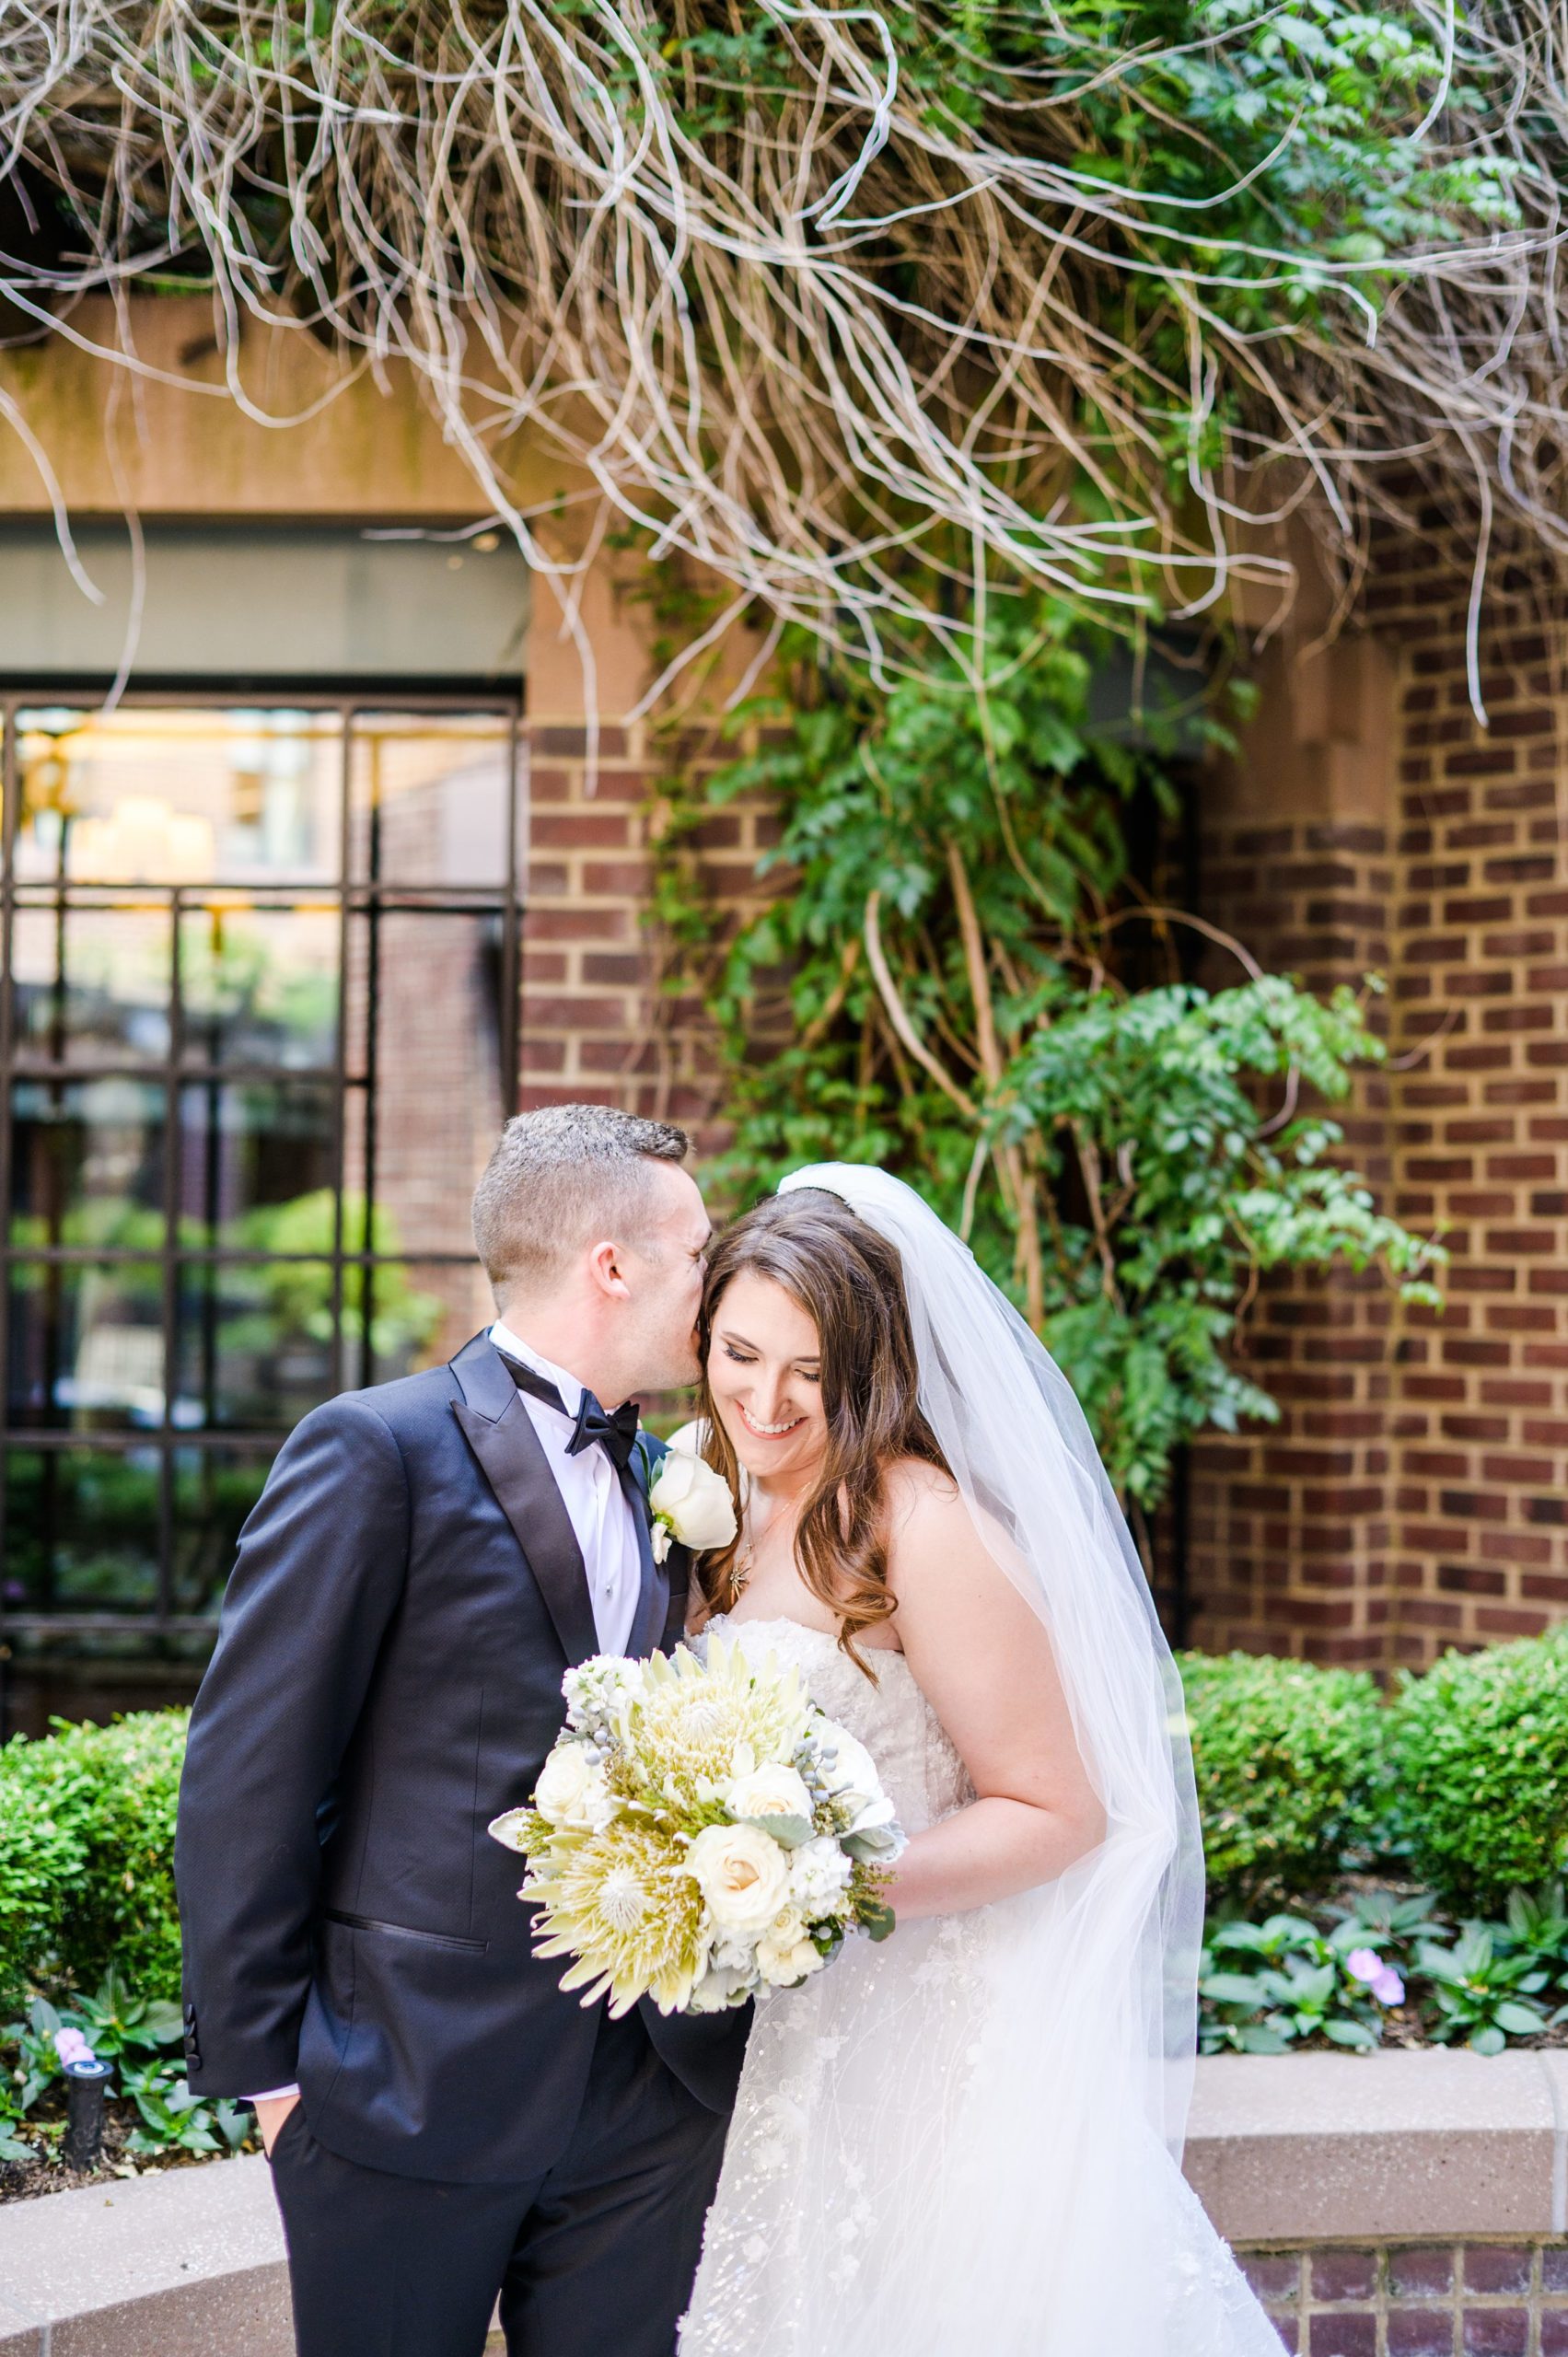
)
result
[(925, 1508)]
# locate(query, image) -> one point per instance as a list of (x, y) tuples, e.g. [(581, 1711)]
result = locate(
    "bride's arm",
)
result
[(985, 1664)]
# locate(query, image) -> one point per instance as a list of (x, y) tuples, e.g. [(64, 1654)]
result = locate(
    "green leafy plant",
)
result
[(949, 984), (1479, 1757), (1293, 1982), (1483, 1993), (173, 2119), (1288, 1759)]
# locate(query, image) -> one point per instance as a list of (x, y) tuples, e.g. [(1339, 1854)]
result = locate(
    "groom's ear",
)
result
[(605, 1272)]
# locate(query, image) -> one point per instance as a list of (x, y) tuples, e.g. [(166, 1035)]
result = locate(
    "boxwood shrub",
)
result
[(1289, 1760), (1479, 1749), (86, 1855)]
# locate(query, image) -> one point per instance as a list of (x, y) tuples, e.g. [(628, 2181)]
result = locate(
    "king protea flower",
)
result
[(624, 1904)]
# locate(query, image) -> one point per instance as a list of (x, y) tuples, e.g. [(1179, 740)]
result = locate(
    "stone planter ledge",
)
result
[(1284, 2150)]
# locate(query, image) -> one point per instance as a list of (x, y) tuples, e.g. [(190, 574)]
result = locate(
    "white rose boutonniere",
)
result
[(690, 1502)]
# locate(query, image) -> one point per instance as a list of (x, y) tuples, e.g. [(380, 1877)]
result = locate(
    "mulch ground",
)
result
[(46, 2172)]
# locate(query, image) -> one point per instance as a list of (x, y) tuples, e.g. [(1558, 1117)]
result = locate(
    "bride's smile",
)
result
[(764, 1374)]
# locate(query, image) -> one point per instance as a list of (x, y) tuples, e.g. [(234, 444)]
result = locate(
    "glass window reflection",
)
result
[(249, 1099), (255, 1344), (87, 1164), (82, 1530), (431, 798), (259, 984), (402, 1315), (256, 1164), (215, 1490), (422, 1126), (85, 1344), (90, 982), (172, 797)]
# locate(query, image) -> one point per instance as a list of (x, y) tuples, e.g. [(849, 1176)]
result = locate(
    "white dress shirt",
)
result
[(600, 1513)]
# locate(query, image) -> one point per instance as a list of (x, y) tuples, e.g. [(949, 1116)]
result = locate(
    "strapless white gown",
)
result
[(855, 2216)]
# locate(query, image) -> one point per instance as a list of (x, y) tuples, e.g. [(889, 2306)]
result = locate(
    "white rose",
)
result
[(692, 1502), (784, 1954), (572, 1792), (742, 1873), (772, 1790)]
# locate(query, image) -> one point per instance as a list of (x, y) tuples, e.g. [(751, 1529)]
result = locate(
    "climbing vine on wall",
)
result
[(955, 979)]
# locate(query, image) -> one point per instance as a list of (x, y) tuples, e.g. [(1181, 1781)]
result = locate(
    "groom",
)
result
[(426, 1561)]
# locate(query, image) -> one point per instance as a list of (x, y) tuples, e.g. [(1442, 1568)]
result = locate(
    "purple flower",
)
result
[(1388, 1987), (1364, 1964), (72, 2047)]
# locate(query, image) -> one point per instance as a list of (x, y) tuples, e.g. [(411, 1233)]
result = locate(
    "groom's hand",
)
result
[(271, 2113)]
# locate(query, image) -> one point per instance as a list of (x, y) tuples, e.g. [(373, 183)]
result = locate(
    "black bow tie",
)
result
[(616, 1435)]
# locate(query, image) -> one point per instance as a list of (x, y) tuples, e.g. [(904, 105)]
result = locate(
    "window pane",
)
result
[(256, 1162), (430, 797), (260, 985), (87, 1163), (91, 982), (214, 1489), (255, 1345), (82, 1530), (400, 1317), (151, 796), (87, 1345), (431, 1066)]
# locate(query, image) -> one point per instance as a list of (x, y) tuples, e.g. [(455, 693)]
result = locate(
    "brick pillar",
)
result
[(1288, 1524), (1483, 1126), (1412, 1495)]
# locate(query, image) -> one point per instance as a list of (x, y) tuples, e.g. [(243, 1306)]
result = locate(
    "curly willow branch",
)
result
[(856, 354)]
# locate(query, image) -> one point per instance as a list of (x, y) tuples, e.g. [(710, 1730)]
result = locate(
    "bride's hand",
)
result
[(984, 1662)]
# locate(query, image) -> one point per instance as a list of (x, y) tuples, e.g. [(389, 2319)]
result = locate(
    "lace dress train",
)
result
[(879, 2198)]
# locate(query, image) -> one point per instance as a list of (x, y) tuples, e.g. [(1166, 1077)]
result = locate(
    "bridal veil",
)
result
[(1051, 2217)]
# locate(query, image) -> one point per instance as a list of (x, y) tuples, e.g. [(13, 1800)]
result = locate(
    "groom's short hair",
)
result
[(561, 1177)]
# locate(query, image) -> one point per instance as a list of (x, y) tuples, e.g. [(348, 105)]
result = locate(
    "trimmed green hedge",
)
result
[(1289, 1760), (86, 1855), (1466, 1767), (1479, 1751)]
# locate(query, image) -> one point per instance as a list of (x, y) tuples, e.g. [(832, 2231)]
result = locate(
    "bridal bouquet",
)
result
[(700, 1833)]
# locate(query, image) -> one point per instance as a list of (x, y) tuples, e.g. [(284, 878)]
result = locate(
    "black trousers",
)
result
[(594, 2260)]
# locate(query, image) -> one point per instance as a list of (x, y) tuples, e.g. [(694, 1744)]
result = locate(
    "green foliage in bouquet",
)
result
[(953, 981), (1289, 1761), (1479, 1749)]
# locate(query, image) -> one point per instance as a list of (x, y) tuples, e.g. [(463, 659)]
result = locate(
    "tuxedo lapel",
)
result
[(498, 1430), (653, 1594)]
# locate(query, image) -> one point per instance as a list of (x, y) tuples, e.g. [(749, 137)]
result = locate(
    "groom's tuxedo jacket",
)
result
[(408, 1594)]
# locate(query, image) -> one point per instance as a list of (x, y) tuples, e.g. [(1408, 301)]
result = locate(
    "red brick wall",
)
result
[(596, 1022), (1412, 1495)]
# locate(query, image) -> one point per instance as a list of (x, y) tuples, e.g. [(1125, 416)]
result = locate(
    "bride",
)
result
[(961, 2141)]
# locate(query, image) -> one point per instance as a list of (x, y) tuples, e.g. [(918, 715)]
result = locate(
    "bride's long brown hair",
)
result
[(849, 1280)]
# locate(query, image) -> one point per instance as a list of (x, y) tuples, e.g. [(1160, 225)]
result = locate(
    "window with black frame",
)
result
[(260, 1030)]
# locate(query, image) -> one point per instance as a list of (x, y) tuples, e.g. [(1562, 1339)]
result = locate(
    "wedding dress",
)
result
[(964, 2141), (843, 2211)]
